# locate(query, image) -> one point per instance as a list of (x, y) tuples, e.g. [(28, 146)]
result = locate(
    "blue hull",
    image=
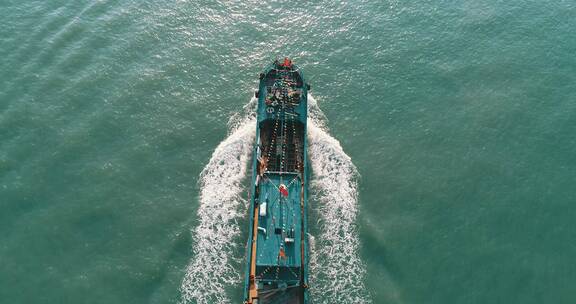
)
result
[(277, 248)]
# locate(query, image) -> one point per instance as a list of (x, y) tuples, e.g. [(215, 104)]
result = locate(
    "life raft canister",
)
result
[(283, 190)]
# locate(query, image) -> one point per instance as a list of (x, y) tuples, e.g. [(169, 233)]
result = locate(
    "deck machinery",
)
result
[(277, 248)]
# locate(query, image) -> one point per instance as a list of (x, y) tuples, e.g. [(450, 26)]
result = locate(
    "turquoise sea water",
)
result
[(458, 115)]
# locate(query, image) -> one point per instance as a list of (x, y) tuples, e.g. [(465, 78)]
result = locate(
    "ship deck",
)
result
[(277, 248), (278, 243)]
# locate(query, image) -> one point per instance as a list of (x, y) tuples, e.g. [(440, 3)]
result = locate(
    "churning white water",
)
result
[(337, 272), (221, 206)]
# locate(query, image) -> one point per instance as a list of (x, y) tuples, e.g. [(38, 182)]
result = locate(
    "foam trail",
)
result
[(221, 206), (337, 272)]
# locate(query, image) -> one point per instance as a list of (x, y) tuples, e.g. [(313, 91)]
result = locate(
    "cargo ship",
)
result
[(277, 248)]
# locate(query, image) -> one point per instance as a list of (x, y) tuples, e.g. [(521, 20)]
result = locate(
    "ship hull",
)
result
[(277, 248)]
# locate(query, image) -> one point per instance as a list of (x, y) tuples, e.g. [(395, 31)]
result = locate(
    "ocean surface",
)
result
[(443, 148)]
